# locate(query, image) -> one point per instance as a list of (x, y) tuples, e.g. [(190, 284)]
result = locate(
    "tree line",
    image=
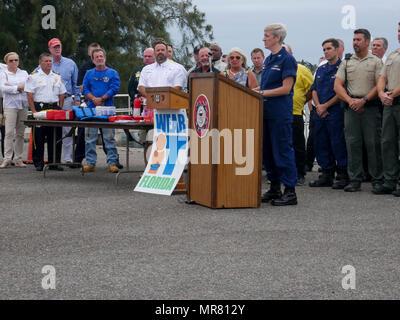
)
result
[(124, 28)]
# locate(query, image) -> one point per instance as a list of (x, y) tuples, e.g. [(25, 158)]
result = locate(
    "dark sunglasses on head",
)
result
[(235, 57)]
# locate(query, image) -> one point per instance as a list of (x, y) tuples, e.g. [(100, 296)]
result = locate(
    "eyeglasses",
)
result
[(235, 57), (13, 60)]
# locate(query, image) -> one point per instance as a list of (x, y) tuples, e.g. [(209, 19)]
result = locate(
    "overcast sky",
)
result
[(240, 23)]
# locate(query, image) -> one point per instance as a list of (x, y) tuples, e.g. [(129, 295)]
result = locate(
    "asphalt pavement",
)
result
[(105, 241)]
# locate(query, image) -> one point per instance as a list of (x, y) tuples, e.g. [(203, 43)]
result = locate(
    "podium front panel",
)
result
[(202, 173), (231, 176)]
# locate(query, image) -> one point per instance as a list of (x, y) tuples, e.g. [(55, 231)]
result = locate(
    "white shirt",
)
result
[(166, 74), (2, 67), (183, 70), (220, 65), (45, 88), (9, 82)]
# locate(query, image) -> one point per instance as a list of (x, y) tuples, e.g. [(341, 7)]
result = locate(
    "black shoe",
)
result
[(378, 188), (324, 180), (39, 168), (273, 193), (301, 181), (340, 184), (74, 166), (56, 168), (342, 179), (396, 193), (288, 198), (353, 186), (119, 166)]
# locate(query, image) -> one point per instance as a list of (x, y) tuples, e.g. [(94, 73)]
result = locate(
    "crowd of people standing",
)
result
[(354, 105)]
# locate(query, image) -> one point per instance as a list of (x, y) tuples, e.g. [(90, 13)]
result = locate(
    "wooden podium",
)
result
[(233, 109), (168, 98)]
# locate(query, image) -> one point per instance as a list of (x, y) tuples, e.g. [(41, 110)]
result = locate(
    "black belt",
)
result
[(45, 105)]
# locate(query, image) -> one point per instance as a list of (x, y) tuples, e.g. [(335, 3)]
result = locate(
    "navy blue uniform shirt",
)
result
[(278, 67), (324, 82)]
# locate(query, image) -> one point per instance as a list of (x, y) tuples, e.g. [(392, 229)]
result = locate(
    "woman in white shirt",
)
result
[(15, 103)]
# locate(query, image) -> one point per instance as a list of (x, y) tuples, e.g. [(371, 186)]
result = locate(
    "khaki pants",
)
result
[(15, 128)]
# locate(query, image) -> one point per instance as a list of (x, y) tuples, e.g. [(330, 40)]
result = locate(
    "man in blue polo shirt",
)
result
[(277, 81), (100, 85), (69, 74), (330, 145)]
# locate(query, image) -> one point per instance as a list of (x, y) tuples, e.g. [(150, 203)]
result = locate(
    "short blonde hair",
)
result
[(277, 29), (240, 51), (10, 54)]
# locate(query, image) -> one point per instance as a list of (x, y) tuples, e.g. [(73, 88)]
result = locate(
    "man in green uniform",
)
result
[(148, 58), (389, 92), (362, 119)]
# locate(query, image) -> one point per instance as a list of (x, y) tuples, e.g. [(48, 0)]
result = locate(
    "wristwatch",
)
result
[(102, 99), (365, 99), (261, 92)]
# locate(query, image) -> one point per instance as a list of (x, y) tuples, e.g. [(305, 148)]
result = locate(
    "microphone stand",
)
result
[(210, 61)]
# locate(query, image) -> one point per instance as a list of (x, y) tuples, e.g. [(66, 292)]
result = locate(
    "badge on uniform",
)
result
[(106, 79)]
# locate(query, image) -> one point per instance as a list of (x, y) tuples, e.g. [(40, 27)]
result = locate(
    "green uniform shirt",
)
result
[(134, 81), (391, 70), (361, 74)]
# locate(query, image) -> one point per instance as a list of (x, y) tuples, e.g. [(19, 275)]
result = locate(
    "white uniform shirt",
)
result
[(9, 82), (3, 67), (165, 75), (45, 88)]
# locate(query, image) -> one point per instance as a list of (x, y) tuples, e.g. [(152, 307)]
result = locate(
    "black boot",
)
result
[(273, 193), (324, 180), (342, 179), (289, 198)]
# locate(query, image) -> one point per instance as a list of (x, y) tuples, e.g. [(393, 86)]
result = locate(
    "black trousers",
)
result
[(43, 134), (299, 144), (40, 136), (310, 153)]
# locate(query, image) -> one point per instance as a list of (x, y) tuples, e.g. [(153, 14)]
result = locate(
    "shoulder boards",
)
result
[(34, 72), (56, 72)]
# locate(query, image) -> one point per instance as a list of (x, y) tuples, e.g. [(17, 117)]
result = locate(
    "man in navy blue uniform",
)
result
[(277, 81), (330, 145)]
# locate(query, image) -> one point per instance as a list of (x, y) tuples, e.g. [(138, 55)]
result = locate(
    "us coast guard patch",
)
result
[(201, 116)]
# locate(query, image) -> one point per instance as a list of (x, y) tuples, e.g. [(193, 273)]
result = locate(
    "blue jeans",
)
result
[(91, 135)]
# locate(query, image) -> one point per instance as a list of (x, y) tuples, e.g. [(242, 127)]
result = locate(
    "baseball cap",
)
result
[(54, 42)]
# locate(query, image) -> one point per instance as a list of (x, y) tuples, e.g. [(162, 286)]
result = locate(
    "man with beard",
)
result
[(100, 85), (362, 118), (161, 73)]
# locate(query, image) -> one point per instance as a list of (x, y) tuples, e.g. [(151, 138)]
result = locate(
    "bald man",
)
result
[(148, 58)]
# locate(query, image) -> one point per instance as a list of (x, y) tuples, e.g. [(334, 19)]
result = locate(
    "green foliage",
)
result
[(124, 28), (309, 65)]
